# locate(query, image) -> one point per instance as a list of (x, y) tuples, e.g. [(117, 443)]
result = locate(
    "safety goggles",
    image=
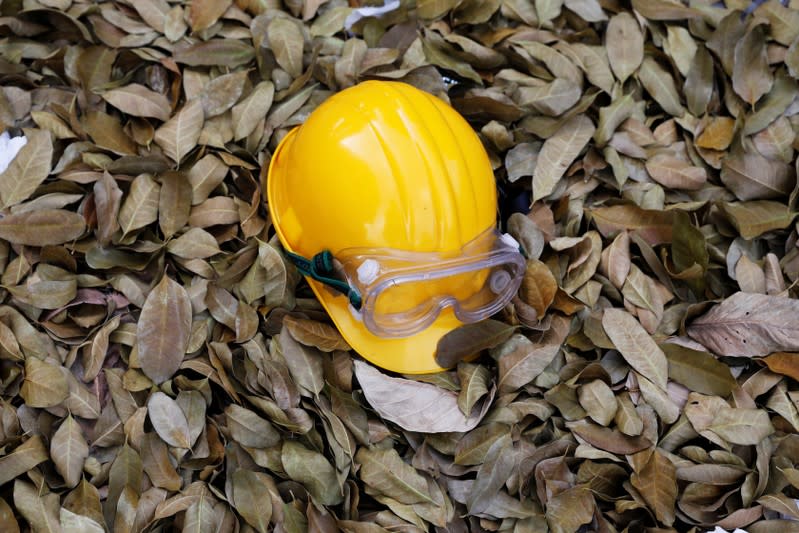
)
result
[(398, 293)]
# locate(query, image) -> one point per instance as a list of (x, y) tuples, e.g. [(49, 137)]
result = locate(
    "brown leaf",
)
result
[(28, 169), (94, 66), (44, 385), (386, 473), (653, 226), (304, 362), (741, 425), (608, 439), (312, 470), (317, 334), (676, 173), (205, 176), (156, 463), (178, 136), (126, 473), (140, 207), (492, 475), (224, 52), (657, 483), (39, 510), (252, 499), (139, 101), (204, 13), (598, 401), (474, 381), (552, 99), (251, 110), (594, 62), (538, 286), (168, 420), (107, 133), (520, 361), (627, 418), (69, 451), (773, 106), (222, 92), (660, 85), (718, 134), (784, 363), (558, 152), (214, 211), (24, 457), (286, 40), (570, 509), (776, 141), (624, 43), (751, 75), (413, 405), (107, 199), (162, 331), (433, 9), (699, 371), (635, 344), (75, 522), (757, 217), (698, 84), (787, 507), (470, 339), (748, 325), (196, 243), (42, 227), (174, 203), (662, 10), (750, 176), (249, 429)]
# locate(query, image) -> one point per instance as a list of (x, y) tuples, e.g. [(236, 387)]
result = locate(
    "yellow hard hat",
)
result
[(385, 200)]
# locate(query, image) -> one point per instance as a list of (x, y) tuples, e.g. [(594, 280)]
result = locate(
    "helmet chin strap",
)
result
[(320, 268)]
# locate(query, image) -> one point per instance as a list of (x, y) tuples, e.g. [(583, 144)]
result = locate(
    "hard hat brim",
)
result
[(405, 355)]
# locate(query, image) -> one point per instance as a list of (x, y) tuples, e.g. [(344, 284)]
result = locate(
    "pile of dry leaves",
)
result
[(162, 368)]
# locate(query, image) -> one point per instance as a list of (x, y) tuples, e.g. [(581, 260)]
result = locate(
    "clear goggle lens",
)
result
[(404, 292)]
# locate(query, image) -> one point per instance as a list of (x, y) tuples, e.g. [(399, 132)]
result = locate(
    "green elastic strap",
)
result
[(320, 267)]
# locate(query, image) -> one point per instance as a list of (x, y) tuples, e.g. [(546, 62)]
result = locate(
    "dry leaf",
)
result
[(385, 472), (635, 344), (469, 340), (139, 101), (42, 227), (784, 363), (751, 76), (168, 420), (624, 43), (140, 207), (413, 405), (204, 13), (675, 173), (29, 168), (558, 152), (657, 483), (162, 331), (69, 451), (178, 136), (311, 333), (748, 325)]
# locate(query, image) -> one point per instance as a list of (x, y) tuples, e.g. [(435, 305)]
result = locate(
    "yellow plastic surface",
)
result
[(381, 165)]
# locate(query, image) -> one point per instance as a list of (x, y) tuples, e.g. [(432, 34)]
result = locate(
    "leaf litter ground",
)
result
[(162, 368)]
